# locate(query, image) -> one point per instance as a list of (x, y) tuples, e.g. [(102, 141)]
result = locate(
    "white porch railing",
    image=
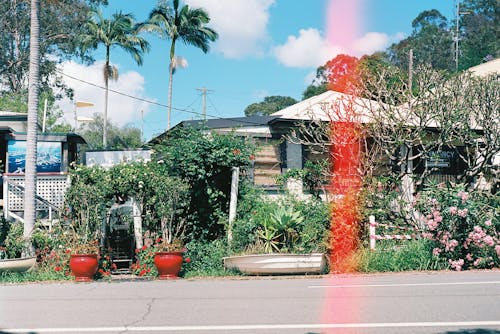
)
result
[(51, 189)]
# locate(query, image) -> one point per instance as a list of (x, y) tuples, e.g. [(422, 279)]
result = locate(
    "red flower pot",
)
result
[(83, 266), (168, 264)]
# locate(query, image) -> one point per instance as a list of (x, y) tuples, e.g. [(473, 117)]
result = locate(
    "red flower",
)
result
[(57, 268), (188, 259), (136, 250), (158, 240), (101, 271), (142, 272), (144, 247), (67, 251)]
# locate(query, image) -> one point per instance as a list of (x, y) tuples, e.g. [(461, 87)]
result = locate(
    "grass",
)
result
[(396, 257), (32, 276)]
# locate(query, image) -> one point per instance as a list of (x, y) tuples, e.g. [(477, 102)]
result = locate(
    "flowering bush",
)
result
[(462, 226)]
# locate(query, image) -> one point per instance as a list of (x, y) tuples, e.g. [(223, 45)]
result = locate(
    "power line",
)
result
[(145, 100)]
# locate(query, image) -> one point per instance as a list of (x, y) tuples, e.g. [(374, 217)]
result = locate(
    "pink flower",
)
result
[(489, 240), (453, 210), (468, 257), (436, 251), (497, 250), (432, 224), (477, 262), (463, 195), (487, 223), (457, 265), (463, 213)]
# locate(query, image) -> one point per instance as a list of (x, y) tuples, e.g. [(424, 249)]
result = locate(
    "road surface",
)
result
[(436, 302)]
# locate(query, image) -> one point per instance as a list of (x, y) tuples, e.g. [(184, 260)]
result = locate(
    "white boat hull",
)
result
[(18, 265), (277, 264)]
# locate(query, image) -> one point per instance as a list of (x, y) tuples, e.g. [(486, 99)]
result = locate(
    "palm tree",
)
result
[(188, 25), (30, 167), (118, 31)]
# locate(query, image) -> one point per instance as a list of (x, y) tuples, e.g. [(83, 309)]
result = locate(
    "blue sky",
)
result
[(266, 47)]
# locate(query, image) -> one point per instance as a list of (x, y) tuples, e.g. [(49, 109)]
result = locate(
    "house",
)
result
[(279, 151), (55, 153)]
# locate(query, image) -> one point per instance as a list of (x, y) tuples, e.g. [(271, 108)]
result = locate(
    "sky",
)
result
[(265, 47)]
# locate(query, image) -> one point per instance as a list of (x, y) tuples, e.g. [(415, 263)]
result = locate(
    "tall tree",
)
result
[(431, 41), (62, 22), (186, 24), (119, 138), (271, 104), (338, 74), (119, 31), (479, 32), (30, 171)]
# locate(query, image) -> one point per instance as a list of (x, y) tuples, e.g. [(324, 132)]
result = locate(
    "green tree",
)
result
[(271, 104), (61, 23), (337, 74), (204, 161), (431, 42), (119, 31), (186, 24), (126, 137), (479, 32)]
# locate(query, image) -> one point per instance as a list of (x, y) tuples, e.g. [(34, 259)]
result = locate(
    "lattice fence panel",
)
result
[(52, 188)]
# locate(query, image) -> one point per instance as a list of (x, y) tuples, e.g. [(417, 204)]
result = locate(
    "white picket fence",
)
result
[(374, 236)]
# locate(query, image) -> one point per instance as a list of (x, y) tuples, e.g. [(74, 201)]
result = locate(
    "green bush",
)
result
[(287, 225), (204, 161), (409, 255), (205, 259)]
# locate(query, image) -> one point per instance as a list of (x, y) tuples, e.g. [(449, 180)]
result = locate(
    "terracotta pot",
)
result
[(83, 266), (168, 264)]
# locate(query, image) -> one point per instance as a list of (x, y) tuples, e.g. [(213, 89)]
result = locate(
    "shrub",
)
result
[(284, 225), (206, 259), (410, 255), (462, 227), (204, 161)]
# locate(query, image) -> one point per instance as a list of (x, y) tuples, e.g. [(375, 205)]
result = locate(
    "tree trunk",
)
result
[(105, 116), (170, 79), (31, 137)]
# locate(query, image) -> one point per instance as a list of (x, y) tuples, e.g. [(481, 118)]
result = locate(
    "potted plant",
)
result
[(166, 220), (83, 247), (282, 244)]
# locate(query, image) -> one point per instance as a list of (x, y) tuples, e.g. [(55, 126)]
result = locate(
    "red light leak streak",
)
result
[(343, 20)]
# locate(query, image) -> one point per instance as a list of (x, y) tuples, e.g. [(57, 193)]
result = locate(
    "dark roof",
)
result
[(220, 123), (235, 122)]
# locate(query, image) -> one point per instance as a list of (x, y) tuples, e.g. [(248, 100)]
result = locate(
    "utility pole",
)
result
[(457, 32), (142, 125), (456, 35), (410, 71), (204, 91)]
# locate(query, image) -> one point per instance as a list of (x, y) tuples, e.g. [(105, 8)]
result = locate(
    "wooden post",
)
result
[(371, 233), (136, 212), (233, 201)]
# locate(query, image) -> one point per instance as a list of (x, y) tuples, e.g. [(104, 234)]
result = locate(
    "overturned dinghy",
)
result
[(277, 264), (17, 265)]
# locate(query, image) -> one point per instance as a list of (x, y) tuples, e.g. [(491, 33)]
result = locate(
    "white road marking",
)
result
[(475, 324), (397, 285)]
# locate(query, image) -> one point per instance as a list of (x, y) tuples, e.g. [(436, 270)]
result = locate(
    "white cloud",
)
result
[(121, 109), (309, 49), (370, 42), (241, 24)]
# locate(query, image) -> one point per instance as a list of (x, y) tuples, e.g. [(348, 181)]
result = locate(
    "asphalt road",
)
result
[(443, 302)]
